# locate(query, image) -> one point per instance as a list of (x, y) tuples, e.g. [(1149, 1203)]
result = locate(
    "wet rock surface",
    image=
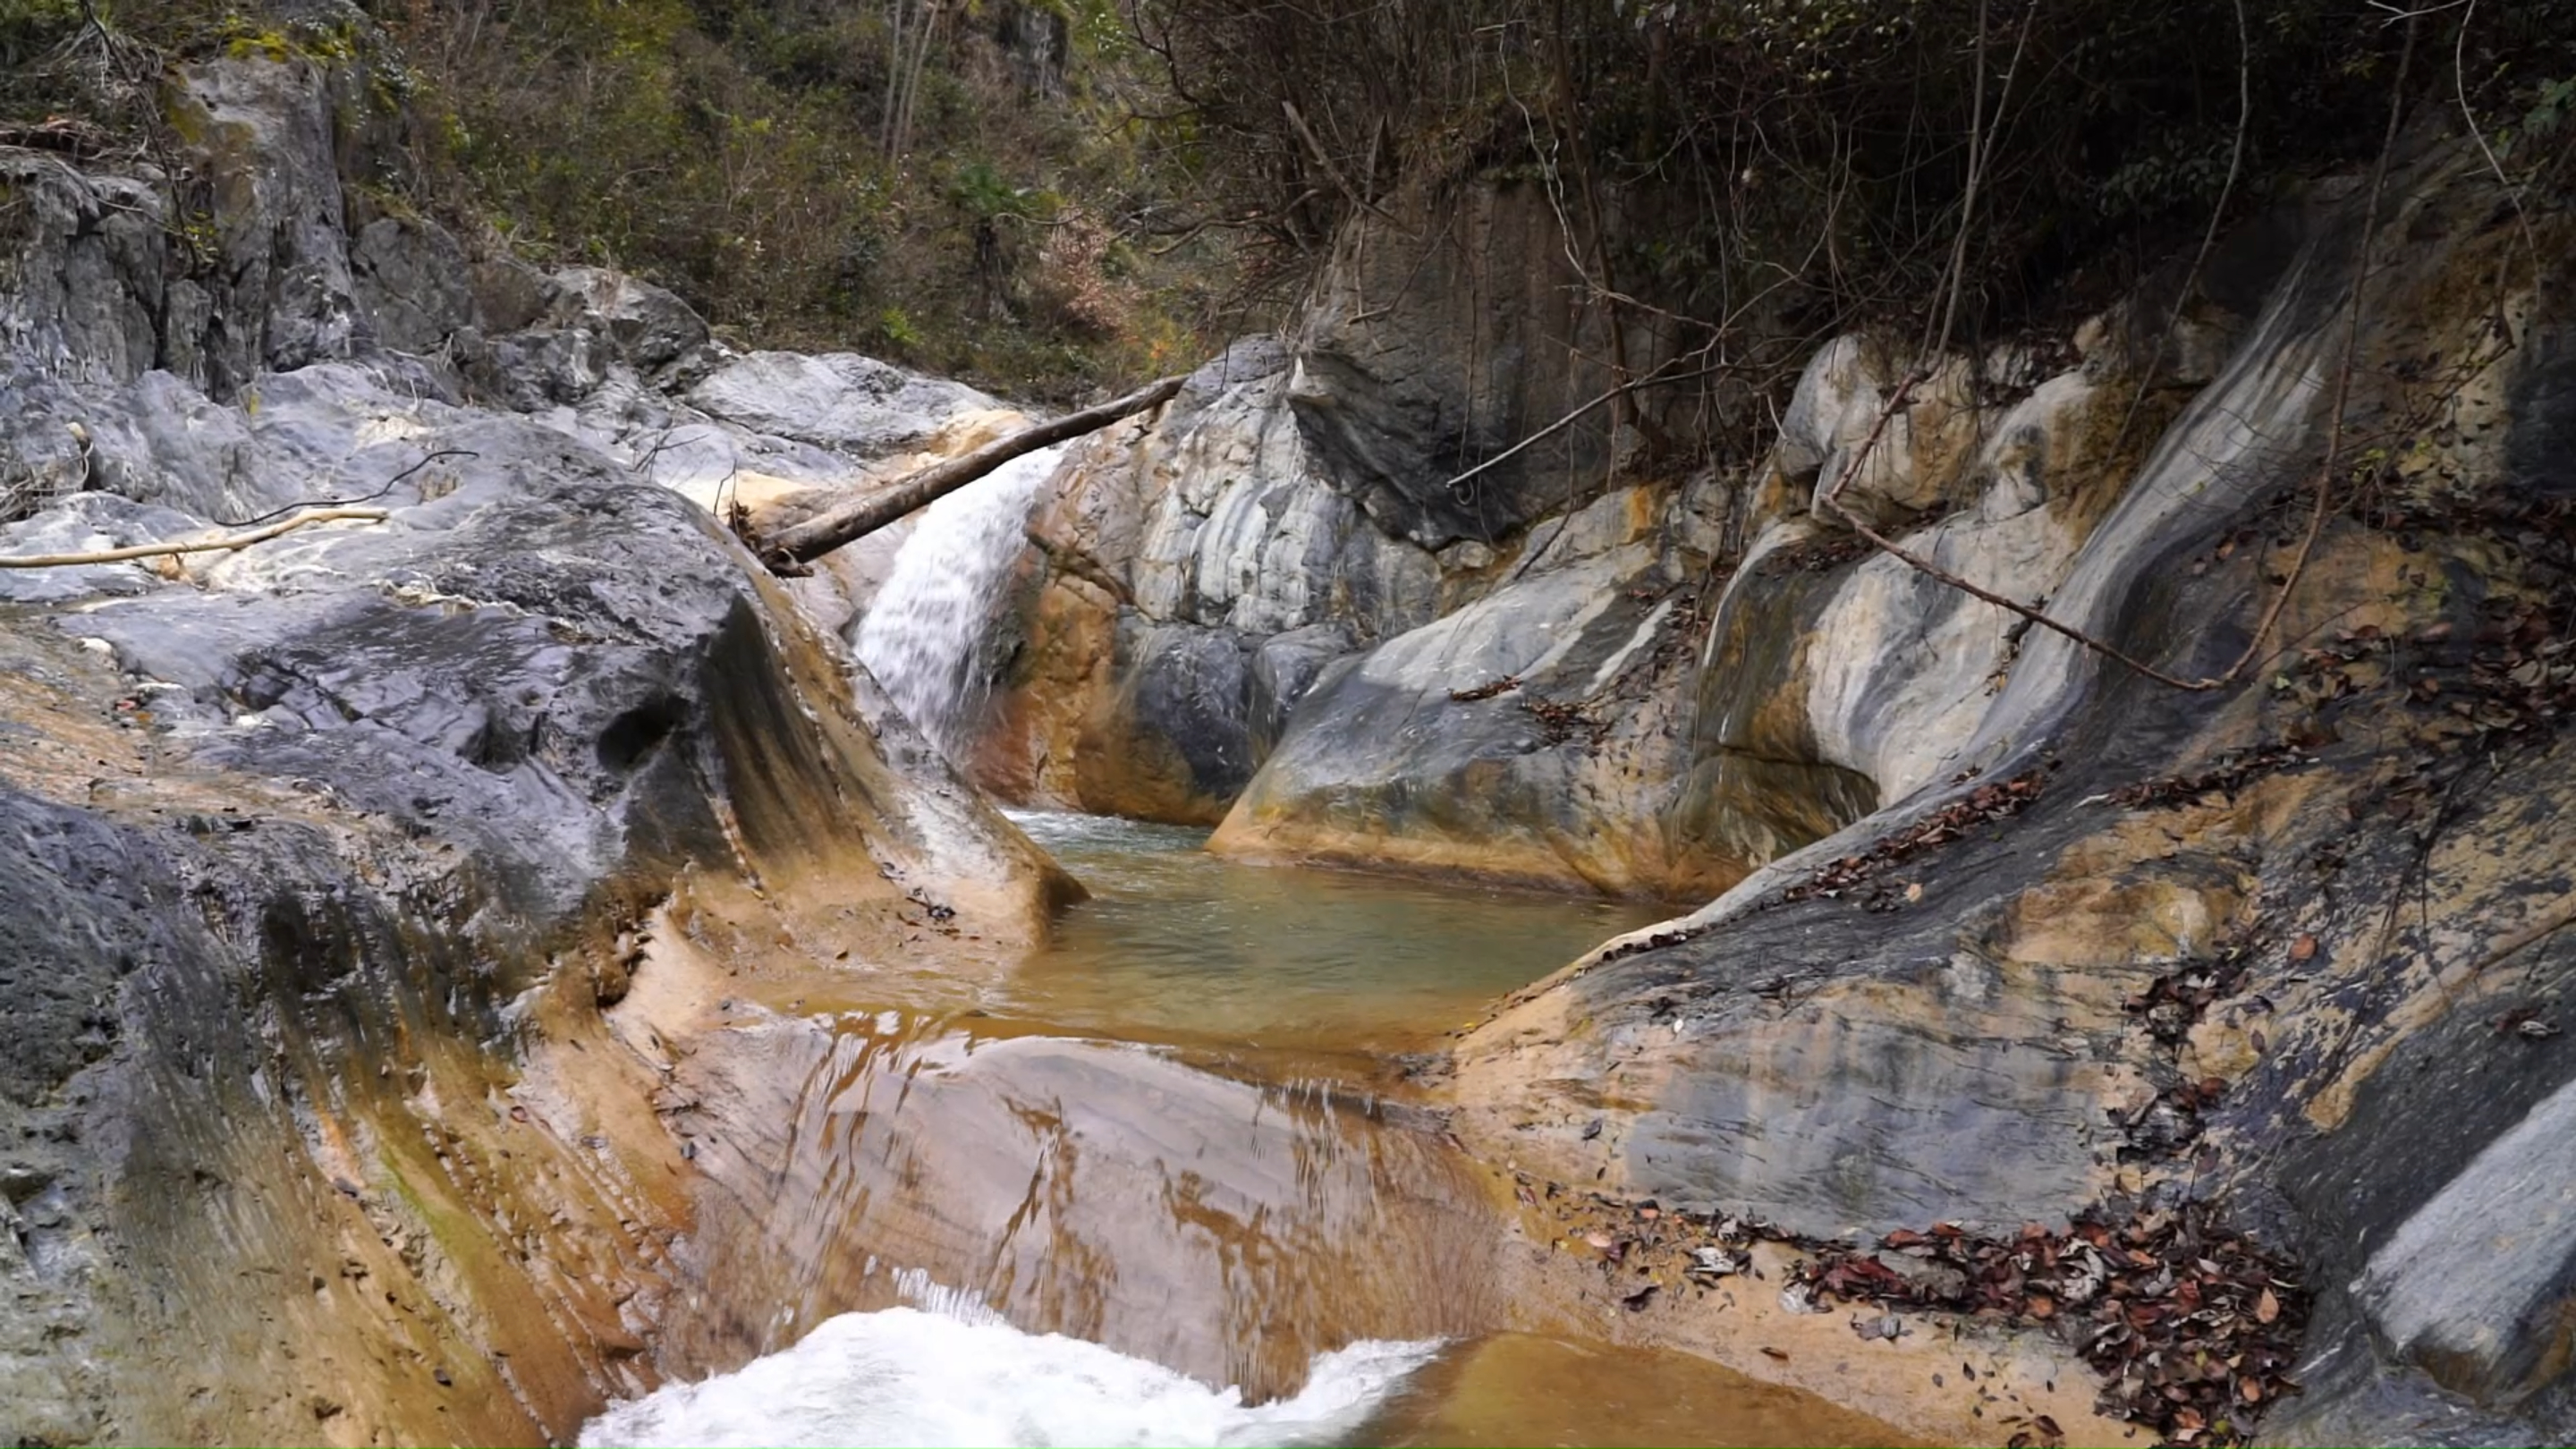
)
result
[(2021, 936), (323, 856), (407, 922), (1226, 1229)]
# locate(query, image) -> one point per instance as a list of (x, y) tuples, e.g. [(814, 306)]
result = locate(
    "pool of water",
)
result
[(1176, 943), (1159, 1183), (1515, 1389)]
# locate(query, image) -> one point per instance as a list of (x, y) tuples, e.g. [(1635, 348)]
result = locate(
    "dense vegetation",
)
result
[(1869, 157), (955, 184), (958, 184), (1051, 195)]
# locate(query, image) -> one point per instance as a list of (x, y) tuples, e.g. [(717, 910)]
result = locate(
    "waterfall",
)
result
[(919, 635)]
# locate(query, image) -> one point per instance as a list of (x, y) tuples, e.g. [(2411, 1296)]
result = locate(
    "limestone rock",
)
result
[(280, 292), (840, 401), (1942, 1009), (1530, 736), (411, 281), (1833, 432), (1447, 334), (1167, 559), (324, 824), (86, 274)]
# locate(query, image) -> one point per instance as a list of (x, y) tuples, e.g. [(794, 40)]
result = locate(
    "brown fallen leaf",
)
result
[(1774, 1354), (2041, 1306), (2250, 1390), (2267, 1307), (2303, 948)]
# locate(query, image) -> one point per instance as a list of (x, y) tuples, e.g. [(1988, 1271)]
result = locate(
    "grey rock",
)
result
[(1284, 668), (1437, 340), (411, 283), (840, 401), (1187, 689), (87, 523), (83, 279), (281, 287), (509, 295), (1922, 1016), (1528, 736), (2477, 1284), (445, 744), (651, 327)]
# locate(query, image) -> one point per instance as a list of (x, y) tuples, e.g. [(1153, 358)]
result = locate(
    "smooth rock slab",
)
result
[(1563, 780), (2479, 1286)]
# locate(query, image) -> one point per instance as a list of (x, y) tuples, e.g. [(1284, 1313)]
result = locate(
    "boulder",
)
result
[(1531, 736), (840, 401), (411, 281)]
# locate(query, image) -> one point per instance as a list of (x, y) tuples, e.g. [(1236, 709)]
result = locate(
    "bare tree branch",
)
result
[(225, 544)]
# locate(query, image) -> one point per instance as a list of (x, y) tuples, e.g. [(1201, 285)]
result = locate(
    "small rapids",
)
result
[(957, 1375), (919, 636)]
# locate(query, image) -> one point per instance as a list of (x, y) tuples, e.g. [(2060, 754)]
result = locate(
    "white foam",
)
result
[(921, 630), (907, 1376)]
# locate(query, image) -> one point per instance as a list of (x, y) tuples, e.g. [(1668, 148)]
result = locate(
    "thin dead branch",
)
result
[(227, 543)]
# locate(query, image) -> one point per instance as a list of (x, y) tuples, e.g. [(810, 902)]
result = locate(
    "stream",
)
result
[(1161, 1184)]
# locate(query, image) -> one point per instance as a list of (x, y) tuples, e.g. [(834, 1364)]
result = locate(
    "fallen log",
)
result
[(819, 535)]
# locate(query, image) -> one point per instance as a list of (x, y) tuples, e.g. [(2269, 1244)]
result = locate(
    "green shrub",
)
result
[(731, 149)]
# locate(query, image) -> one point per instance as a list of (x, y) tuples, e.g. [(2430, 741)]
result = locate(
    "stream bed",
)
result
[(1163, 1183)]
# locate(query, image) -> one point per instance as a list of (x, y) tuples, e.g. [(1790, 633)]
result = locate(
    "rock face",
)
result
[(1187, 580), (382, 907), (321, 861), (2076, 941), (1294, 505), (1450, 329), (1536, 735)]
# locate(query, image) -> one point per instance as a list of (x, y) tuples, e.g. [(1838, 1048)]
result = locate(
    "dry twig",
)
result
[(227, 543)]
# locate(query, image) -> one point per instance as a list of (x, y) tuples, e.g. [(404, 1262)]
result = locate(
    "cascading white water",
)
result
[(956, 1374), (920, 632)]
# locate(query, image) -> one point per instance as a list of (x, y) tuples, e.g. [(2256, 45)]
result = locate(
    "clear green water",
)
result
[(1177, 942)]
